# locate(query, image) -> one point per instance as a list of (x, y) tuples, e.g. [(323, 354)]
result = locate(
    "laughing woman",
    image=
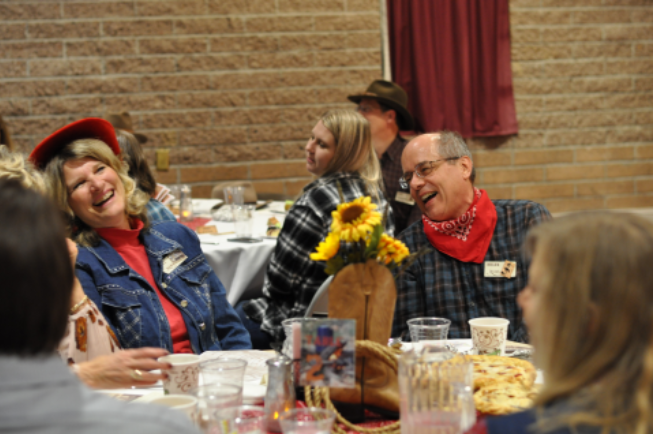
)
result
[(339, 151), (152, 283)]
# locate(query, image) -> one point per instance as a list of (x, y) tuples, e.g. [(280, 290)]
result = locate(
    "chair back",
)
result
[(320, 304)]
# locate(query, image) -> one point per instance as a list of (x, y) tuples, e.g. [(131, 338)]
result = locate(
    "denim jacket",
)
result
[(132, 307)]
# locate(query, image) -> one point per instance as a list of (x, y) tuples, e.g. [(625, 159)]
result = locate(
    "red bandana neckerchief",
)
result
[(456, 237)]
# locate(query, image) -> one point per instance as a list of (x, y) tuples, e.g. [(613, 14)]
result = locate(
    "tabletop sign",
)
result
[(328, 353), (404, 197), (505, 269), (209, 229)]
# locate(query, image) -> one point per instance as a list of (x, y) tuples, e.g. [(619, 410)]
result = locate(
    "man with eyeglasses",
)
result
[(474, 267), (384, 105)]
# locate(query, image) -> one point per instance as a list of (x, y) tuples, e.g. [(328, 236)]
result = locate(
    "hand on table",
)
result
[(123, 369)]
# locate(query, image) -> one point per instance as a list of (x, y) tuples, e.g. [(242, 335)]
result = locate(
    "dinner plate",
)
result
[(253, 394), (461, 345), (204, 206), (278, 207)]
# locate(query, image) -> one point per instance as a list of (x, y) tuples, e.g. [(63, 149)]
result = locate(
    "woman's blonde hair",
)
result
[(594, 334), (56, 184), (14, 166), (354, 151)]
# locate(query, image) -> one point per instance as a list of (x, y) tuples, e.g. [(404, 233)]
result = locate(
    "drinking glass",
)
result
[(309, 420), (428, 332), (212, 398), (173, 205), (233, 195), (243, 220), (288, 344), (185, 204), (244, 419), (223, 371)]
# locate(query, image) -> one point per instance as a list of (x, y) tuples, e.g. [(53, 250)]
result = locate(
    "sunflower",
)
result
[(327, 249), (390, 249), (356, 219)]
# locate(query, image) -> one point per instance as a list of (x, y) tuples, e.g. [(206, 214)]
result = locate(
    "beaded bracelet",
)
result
[(75, 308)]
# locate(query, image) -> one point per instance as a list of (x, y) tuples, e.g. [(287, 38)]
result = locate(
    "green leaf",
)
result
[(372, 248), (410, 259), (334, 265)]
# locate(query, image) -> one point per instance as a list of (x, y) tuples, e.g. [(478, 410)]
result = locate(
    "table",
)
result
[(241, 266)]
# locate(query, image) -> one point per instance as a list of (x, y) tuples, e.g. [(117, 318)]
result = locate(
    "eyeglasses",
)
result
[(422, 169)]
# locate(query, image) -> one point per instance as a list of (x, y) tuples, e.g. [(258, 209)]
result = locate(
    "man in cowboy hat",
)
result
[(383, 104)]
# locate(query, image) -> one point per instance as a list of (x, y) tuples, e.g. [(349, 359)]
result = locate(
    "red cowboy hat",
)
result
[(89, 128)]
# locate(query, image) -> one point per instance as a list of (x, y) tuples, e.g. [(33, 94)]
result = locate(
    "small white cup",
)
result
[(184, 403), (184, 374), (489, 335)]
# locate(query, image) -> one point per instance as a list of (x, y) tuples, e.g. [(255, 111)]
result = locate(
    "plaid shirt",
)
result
[(404, 214), (292, 277), (158, 212), (441, 286)]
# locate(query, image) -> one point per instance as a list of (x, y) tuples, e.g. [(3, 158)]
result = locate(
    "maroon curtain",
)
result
[(453, 59)]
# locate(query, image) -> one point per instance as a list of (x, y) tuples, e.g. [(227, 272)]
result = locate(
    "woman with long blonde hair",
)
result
[(339, 153), (589, 310)]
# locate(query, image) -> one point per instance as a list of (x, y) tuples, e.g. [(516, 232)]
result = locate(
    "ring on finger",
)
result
[(136, 374)]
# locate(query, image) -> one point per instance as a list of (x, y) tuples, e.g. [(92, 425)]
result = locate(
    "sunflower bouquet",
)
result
[(356, 236)]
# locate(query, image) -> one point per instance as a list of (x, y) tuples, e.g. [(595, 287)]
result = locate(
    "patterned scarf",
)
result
[(456, 238)]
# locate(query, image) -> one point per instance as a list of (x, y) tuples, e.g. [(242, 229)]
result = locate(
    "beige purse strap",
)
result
[(317, 396)]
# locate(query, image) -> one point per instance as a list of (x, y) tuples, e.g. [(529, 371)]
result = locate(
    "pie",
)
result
[(504, 398), (503, 385), (490, 370)]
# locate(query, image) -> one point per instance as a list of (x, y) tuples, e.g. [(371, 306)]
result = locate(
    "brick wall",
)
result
[(232, 87), (583, 80)]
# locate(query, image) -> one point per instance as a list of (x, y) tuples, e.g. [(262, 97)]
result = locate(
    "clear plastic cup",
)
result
[(243, 419), (212, 398), (223, 371), (428, 332), (243, 220), (309, 420)]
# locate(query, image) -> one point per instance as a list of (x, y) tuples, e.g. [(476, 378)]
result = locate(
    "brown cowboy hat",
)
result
[(89, 128), (123, 121), (391, 95)]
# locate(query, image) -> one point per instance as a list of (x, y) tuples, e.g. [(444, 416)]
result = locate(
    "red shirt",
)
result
[(130, 248)]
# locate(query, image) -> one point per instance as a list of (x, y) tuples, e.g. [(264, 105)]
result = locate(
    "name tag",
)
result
[(505, 269), (404, 197), (173, 260)]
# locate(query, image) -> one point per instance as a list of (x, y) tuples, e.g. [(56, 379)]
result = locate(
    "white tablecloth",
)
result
[(240, 266)]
